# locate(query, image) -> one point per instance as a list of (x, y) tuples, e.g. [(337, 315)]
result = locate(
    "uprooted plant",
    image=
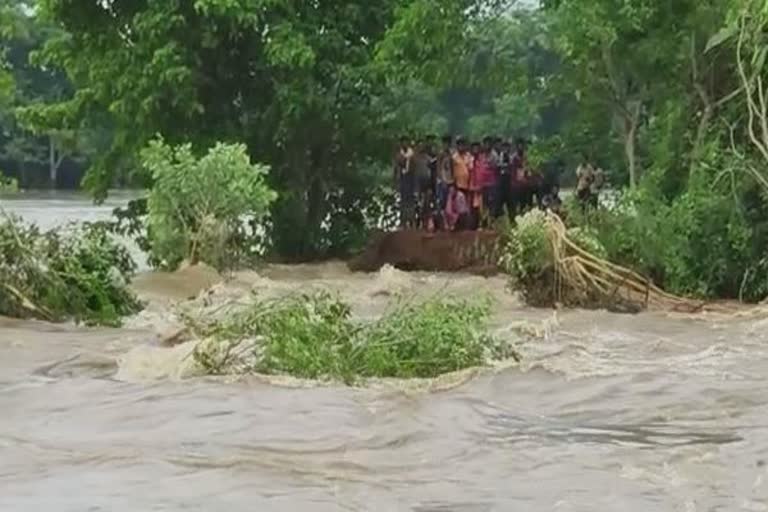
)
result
[(550, 264), (75, 272), (314, 336)]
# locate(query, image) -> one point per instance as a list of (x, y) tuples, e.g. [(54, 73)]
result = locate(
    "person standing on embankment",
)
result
[(486, 173), (585, 179), (504, 199), (462, 163), (444, 172), (405, 182), (420, 165), (518, 184)]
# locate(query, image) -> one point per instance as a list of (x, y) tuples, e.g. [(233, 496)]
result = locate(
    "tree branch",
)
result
[(747, 86)]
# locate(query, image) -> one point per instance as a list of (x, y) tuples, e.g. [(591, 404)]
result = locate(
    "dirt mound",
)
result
[(470, 251)]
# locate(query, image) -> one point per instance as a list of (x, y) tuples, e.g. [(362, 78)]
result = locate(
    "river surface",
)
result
[(654, 412)]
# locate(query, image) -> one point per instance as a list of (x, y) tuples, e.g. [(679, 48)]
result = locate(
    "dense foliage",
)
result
[(298, 83), (313, 336), (667, 97), (691, 139), (527, 255), (76, 272), (32, 154), (198, 207)]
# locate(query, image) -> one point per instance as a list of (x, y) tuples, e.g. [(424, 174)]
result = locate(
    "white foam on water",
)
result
[(151, 363)]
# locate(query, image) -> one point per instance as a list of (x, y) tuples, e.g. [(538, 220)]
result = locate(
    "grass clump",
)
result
[(72, 273), (314, 336)]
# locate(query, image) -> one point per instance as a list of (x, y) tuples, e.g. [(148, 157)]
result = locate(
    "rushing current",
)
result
[(654, 412)]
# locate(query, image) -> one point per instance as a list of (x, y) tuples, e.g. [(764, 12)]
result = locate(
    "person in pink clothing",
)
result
[(456, 209), (488, 177), (475, 196)]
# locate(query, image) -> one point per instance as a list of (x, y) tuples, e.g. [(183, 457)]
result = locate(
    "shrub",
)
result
[(528, 258), (198, 206), (76, 272), (8, 185), (314, 336), (632, 233), (426, 339), (701, 243), (709, 251)]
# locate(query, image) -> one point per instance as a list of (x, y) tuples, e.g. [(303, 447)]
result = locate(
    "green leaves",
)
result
[(288, 48), (72, 273), (528, 251), (313, 336), (8, 185), (7, 86), (725, 34), (197, 206), (513, 114)]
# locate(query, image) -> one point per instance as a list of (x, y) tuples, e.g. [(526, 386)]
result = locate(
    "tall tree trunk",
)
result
[(629, 148), (315, 200), (54, 162), (631, 122), (22, 170), (52, 170)]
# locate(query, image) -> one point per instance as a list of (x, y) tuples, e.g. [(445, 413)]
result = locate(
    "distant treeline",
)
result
[(37, 176)]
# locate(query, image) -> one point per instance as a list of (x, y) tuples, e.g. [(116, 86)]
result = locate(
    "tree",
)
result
[(296, 81), (29, 149), (751, 46), (198, 205), (10, 14)]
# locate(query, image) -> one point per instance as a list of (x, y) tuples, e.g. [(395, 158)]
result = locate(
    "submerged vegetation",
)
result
[(314, 336), (74, 273)]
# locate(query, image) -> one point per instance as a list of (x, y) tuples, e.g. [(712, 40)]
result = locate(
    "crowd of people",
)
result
[(464, 185)]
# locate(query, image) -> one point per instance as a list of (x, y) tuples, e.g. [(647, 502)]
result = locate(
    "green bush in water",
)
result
[(313, 337), (528, 258), (528, 250), (73, 273), (197, 206), (425, 340)]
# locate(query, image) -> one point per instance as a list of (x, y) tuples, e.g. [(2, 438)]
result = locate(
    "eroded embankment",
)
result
[(475, 252)]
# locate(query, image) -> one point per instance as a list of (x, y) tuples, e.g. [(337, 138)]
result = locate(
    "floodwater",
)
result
[(654, 412)]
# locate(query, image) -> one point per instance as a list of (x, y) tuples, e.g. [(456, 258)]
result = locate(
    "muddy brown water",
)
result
[(653, 412)]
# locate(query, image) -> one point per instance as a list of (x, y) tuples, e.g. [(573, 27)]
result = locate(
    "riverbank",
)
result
[(476, 252)]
